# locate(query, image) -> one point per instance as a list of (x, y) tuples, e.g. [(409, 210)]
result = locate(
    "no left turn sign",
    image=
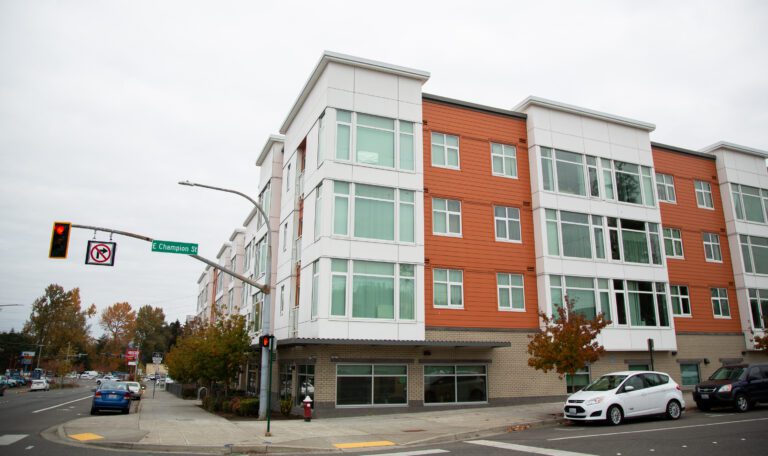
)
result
[(100, 253)]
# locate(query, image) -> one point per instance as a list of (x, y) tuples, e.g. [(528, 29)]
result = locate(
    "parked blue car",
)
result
[(111, 396)]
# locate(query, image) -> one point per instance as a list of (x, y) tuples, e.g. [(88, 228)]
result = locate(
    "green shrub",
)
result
[(286, 405), (249, 407), (208, 403), (235, 405), (226, 406)]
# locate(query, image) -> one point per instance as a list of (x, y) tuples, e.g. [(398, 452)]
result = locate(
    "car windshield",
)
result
[(606, 383), (114, 386), (727, 373)]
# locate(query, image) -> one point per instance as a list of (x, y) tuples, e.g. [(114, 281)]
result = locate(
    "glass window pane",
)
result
[(354, 369), (407, 222), (406, 152), (374, 219), (570, 178), (342, 142), (389, 370), (407, 299), (339, 295), (375, 147), (576, 241), (373, 297)]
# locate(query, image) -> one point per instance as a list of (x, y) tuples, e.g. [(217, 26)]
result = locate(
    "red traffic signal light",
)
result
[(266, 342), (59, 240)]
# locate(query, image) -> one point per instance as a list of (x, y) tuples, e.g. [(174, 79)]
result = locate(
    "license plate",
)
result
[(571, 410), (112, 396), (705, 396)]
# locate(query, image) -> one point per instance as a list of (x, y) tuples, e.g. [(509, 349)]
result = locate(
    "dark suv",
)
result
[(739, 386)]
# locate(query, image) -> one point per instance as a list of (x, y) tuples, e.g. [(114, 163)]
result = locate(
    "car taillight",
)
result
[(127, 394), (678, 387), (98, 394)]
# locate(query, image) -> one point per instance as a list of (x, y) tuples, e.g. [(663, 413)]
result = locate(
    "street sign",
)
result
[(100, 253), (131, 354), (174, 247)]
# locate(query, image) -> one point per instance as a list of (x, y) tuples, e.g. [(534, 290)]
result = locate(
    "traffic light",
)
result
[(266, 342), (59, 240)]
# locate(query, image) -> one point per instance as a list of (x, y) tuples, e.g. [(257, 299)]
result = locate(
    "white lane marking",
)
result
[(527, 449), (657, 430), (413, 453), (9, 439), (29, 447), (59, 405)]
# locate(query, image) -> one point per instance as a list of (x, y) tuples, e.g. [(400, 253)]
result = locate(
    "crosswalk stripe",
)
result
[(527, 449), (413, 453), (10, 439)]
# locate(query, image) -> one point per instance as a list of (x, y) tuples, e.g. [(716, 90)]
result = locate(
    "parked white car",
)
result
[(619, 395), (39, 385)]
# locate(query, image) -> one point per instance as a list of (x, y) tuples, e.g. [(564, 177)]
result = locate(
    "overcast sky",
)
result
[(105, 106)]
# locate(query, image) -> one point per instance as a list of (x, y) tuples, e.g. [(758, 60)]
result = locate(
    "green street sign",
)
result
[(174, 247)]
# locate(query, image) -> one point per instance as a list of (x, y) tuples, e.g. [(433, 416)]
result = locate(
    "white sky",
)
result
[(104, 106)]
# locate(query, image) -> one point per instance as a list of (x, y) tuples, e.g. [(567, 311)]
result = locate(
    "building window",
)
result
[(446, 217), (579, 380), (712, 247), (288, 178), (510, 291), (219, 282), (507, 223), (582, 236), (320, 139), (758, 304), (247, 258), (720, 303), (640, 304), (504, 160), (577, 174), (665, 188), (681, 300), (315, 287), (445, 151), (373, 212), (282, 299), (338, 288), (407, 292), (258, 301), (448, 289), (689, 374), (260, 257), (638, 367), (285, 237), (371, 384), (749, 203), (581, 292), (318, 210), (673, 242), (264, 202), (754, 249), (305, 376), (377, 141), (703, 194), (455, 384), (377, 290)]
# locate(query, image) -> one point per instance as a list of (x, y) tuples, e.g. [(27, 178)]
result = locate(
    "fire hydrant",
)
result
[(307, 404)]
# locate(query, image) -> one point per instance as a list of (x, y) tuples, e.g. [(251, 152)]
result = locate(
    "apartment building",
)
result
[(415, 239)]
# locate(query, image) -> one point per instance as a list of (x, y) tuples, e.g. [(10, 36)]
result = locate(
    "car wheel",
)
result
[(742, 403), (94, 411), (126, 411), (615, 415), (673, 410)]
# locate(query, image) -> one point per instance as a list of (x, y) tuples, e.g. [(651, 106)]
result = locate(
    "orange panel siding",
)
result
[(477, 252), (694, 271)]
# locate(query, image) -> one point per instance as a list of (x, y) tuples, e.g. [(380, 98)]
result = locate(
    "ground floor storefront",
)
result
[(464, 368)]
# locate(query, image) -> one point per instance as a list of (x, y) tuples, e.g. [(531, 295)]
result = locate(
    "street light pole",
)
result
[(266, 312)]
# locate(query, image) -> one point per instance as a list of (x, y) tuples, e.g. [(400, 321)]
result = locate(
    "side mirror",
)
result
[(629, 388)]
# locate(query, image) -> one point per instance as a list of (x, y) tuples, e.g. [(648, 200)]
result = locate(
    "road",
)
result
[(696, 434), (25, 415)]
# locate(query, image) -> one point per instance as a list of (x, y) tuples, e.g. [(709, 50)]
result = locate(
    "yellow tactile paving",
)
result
[(85, 436), (364, 444)]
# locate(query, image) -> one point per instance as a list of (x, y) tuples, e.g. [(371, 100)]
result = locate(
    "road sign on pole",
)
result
[(100, 253), (183, 248)]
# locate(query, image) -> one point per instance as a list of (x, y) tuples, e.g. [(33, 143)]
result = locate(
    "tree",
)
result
[(119, 321), (152, 332), (209, 353), (567, 342), (12, 343), (58, 322)]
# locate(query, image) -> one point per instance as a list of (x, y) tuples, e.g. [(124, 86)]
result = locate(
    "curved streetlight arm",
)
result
[(255, 204)]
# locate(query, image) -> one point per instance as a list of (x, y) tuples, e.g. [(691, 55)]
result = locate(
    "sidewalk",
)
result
[(167, 423)]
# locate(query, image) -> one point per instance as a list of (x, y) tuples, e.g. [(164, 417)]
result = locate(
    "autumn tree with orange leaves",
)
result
[(566, 343), (119, 321)]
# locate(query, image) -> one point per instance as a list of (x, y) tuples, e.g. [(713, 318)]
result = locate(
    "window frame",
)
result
[(758, 311), (506, 220), (445, 147), (748, 250), (503, 156), (683, 377), (448, 212), (352, 125), (508, 290), (350, 198), (700, 190), (712, 242), (456, 375), (372, 377), (673, 241), (717, 301), (448, 284), (667, 183), (676, 291)]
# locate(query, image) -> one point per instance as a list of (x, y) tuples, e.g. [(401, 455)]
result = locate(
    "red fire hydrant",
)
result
[(307, 404)]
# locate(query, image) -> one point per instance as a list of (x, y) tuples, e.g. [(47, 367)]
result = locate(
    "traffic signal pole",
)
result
[(263, 288)]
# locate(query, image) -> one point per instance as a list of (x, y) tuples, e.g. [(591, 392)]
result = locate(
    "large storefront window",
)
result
[(305, 385), (371, 384), (455, 383)]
